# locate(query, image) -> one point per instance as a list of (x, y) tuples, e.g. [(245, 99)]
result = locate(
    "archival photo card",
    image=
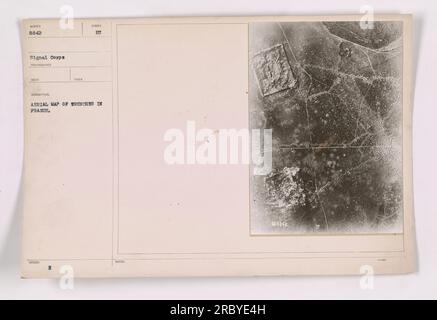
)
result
[(137, 138)]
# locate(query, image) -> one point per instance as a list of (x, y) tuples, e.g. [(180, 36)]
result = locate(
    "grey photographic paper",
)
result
[(332, 94)]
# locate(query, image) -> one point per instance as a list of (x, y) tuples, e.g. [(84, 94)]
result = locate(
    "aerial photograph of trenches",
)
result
[(332, 94)]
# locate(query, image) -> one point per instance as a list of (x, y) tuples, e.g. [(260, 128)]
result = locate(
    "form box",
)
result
[(69, 59), (48, 75), (66, 74), (91, 74)]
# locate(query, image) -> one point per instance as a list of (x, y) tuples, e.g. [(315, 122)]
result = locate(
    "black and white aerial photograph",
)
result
[(332, 94)]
